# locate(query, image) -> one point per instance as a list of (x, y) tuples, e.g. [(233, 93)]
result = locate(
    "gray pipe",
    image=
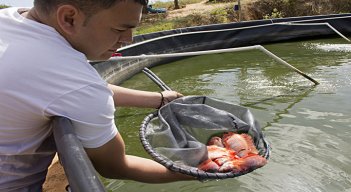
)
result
[(79, 170)]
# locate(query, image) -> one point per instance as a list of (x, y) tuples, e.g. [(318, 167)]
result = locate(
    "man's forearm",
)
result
[(135, 98), (150, 171), (111, 161)]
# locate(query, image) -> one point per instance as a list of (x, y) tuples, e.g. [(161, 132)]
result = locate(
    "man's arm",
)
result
[(111, 161), (124, 97)]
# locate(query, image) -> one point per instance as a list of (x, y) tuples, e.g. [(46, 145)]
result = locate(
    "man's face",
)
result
[(107, 30)]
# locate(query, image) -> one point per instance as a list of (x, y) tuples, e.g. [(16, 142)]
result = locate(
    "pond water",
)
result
[(308, 127)]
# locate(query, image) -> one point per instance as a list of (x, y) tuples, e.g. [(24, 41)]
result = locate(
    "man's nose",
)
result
[(126, 37)]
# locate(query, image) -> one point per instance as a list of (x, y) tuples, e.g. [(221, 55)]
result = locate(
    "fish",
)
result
[(215, 141), (217, 156), (222, 160), (232, 152), (209, 166), (242, 144), (243, 165), (215, 152)]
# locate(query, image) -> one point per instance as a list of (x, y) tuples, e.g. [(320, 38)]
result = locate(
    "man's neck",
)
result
[(23, 12), (30, 14)]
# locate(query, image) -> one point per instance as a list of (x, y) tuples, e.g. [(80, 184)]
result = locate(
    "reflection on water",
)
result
[(309, 127), (330, 47)]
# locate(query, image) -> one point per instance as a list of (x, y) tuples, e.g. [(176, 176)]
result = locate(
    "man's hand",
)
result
[(168, 96), (125, 97), (111, 161)]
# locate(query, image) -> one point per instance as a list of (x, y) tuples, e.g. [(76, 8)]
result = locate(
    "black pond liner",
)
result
[(194, 119)]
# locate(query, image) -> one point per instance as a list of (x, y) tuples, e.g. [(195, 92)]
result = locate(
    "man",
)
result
[(44, 73)]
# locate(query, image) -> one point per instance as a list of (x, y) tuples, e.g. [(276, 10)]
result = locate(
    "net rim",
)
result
[(199, 174)]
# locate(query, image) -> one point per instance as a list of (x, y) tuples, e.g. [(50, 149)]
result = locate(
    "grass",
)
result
[(160, 26), (2, 6), (170, 4)]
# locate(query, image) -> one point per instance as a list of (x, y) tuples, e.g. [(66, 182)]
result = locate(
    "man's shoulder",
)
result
[(8, 10)]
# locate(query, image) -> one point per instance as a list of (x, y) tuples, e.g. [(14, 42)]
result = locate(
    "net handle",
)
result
[(156, 79)]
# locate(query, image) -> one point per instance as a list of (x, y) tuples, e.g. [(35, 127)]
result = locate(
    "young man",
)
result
[(44, 73)]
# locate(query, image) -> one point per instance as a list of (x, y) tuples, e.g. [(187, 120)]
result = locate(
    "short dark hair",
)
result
[(89, 7)]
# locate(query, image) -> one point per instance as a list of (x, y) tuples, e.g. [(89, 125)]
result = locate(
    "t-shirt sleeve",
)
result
[(91, 110)]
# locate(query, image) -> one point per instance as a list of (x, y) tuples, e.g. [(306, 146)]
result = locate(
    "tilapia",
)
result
[(232, 153)]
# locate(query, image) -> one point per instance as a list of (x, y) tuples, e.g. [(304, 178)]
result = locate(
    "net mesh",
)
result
[(177, 136)]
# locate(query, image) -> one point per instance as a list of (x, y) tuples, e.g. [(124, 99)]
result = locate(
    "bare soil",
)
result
[(201, 7), (56, 179)]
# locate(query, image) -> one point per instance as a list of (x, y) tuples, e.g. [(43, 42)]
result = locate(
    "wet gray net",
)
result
[(177, 134)]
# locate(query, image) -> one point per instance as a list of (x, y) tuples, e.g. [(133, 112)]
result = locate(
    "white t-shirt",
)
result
[(42, 76)]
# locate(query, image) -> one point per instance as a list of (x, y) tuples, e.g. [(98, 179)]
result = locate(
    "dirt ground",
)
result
[(194, 8), (201, 7), (56, 179)]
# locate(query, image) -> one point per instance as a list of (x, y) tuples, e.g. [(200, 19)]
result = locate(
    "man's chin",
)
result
[(103, 57)]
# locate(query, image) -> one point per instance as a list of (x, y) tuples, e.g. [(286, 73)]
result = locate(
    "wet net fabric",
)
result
[(182, 128)]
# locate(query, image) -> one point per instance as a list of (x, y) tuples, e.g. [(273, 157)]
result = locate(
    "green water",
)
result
[(309, 127)]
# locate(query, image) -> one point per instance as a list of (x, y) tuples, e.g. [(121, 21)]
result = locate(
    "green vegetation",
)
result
[(162, 26), (267, 9), (2, 6), (274, 14)]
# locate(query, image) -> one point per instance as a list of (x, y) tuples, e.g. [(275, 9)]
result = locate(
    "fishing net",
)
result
[(177, 134)]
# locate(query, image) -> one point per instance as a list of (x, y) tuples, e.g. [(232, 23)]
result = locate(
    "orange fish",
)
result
[(215, 141), (215, 152), (232, 153), (209, 166), (242, 144), (217, 156), (222, 160), (243, 165)]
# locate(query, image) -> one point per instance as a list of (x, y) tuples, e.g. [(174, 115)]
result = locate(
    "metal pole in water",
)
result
[(184, 54), (286, 64), (196, 53), (310, 24)]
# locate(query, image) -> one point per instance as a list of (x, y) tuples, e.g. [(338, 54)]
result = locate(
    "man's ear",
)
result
[(69, 18)]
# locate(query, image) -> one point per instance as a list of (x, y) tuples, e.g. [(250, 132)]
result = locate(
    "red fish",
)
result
[(217, 156), (216, 141), (242, 144), (215, 152), (209, 166), (232, 153), (243, 165), (222, 160)]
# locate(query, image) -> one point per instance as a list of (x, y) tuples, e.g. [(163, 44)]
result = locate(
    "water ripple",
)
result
[(330, 47)]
